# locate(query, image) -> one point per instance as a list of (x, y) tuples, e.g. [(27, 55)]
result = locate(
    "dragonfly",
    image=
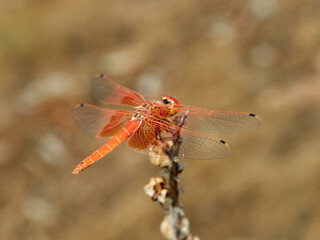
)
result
[(149, 121)]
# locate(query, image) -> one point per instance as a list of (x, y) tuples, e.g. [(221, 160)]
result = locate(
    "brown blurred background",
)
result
[(260, 56)]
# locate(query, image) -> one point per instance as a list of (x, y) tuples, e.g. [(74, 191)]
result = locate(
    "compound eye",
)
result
[(166, 100)]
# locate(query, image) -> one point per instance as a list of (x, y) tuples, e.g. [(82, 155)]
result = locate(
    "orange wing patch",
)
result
[(143, 137), (115, 125)]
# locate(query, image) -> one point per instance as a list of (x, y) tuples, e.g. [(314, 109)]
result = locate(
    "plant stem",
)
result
[(175, 210)]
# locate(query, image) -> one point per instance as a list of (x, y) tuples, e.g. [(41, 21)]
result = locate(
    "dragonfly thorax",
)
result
[(158, 109)]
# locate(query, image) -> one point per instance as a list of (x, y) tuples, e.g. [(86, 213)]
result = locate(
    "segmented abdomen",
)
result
[(126, 132)]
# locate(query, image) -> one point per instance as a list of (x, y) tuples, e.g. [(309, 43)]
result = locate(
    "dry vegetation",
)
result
[(257, 56)]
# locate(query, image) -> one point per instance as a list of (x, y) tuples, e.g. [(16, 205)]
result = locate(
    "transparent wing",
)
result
[(195, 145), (107, 91), (98, 121), (210, 121)]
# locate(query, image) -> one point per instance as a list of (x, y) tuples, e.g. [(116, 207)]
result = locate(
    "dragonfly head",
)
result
[(170, 102)]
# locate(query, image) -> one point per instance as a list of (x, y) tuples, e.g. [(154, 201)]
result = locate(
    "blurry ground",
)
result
[(260, 56)]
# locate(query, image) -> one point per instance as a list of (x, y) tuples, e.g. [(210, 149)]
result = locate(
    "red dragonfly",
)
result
[(149, 120)]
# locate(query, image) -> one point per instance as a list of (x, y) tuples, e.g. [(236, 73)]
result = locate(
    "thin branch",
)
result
[(175, 225)]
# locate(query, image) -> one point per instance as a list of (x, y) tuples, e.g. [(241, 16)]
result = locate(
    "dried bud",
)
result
[(192, 237), (167, 232), (165, 228), (184, 226), (158, 156), (156, 190)]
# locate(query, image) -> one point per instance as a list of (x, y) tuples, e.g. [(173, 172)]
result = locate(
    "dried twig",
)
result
[(165, 190)]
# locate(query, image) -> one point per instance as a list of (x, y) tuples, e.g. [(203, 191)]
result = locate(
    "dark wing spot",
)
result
[(252, 115), (81, 104), (222, 141), (101, 74)]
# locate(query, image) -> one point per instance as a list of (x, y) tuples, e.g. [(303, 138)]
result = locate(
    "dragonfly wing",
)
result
[(196, 145), (107, 91), (143, 138), (210, 121), (98, 121)]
